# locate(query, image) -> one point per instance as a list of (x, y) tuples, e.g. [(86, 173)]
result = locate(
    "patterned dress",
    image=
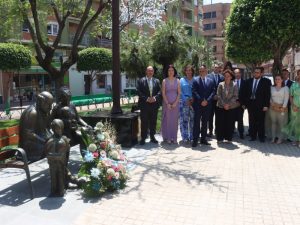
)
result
[(169, 122), (293, 127), (186, 111)]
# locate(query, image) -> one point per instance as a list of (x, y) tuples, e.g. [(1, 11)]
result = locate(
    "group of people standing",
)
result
[(194, 101)]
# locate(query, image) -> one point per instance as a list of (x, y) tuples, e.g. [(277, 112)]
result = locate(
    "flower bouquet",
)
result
[(104, 166)]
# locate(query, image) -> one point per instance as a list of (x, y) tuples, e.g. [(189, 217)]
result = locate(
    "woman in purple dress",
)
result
[(170, 108)]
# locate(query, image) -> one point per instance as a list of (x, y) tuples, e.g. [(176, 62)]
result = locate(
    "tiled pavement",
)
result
[(240, 183)]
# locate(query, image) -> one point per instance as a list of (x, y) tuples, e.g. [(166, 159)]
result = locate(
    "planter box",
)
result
[(126, 125)]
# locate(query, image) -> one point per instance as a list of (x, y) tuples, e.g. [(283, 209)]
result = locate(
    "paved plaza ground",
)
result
[(240, 183)]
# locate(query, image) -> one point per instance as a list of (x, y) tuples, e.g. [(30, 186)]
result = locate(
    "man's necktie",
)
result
[(203, 82), (254, 89), (238, 84), (150, 86)]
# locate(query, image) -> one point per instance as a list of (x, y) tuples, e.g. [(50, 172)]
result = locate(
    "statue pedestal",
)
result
[(126, 125)]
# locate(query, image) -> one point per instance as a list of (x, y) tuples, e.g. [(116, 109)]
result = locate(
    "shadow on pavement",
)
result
[(175, 168), (267, 148), (18, 193)]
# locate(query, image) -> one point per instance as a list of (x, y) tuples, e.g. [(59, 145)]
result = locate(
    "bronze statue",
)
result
[(67, 112), (35, 127), (57, 151)]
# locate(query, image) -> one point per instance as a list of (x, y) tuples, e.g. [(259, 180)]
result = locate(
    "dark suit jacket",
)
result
[(262, 94), (201, 92), (144, 92), (241, 98), (289, 83), (216, 82)]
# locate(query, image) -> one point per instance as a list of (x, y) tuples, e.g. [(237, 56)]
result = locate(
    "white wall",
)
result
[(76, 81)]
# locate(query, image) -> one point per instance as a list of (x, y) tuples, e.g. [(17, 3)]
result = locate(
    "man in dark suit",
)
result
[(240, 110), (149, 92), (286, 78), (203, 89), (257, 100), (217, 77)]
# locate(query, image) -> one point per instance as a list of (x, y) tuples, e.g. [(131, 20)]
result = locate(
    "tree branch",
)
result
[(61, 27), (81, 29), (36, 24)]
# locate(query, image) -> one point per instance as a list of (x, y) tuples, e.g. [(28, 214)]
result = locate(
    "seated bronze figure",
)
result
[(35, 127)]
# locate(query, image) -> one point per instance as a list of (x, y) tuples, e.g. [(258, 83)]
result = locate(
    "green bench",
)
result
[(91, 99)]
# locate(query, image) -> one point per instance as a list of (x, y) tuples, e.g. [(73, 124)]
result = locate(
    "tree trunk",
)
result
[(59, 82), (277, 65), (116, 81), (91, 84)]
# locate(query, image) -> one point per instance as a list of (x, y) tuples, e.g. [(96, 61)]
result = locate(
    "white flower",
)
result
[(114, 154), (99, 126), (117, 175), (106, 135), (92, 147), (100, 137), (111, 172), (95, 172)]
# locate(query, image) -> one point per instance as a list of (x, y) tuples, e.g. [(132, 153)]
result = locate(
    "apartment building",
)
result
[(189, 12), (214, 19)]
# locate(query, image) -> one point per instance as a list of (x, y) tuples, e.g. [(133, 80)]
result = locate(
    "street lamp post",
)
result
[(116, 81)]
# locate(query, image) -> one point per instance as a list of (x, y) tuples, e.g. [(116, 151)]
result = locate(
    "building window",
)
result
[(213, 26), (25, 27), (52, 29), (130, 83), (101, 81), (207, 26), (207, 15), (213, 14), (214, 48)]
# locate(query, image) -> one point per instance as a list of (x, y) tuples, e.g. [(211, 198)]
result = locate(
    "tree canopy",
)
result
[(261, 30), (14, 57), (94, 59), (135, 53)]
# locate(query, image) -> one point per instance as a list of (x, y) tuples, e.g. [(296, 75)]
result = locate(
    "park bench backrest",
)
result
[(9, 136)]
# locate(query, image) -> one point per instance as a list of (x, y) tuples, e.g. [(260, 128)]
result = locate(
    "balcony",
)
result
[(85, 40), (188, 21), (89, 41), (102, 42), (187, 5)]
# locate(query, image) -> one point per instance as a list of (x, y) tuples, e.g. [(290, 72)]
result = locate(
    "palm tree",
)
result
[(199, 53), (169, 43)]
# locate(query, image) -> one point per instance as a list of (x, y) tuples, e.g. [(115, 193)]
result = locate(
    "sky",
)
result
[(206, 2)]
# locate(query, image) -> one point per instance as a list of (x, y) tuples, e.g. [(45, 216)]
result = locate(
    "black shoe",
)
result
[(195, 143), (153, 140), (252, 139), (142, 142), (262, 140), (205, 142), (241, 136)]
